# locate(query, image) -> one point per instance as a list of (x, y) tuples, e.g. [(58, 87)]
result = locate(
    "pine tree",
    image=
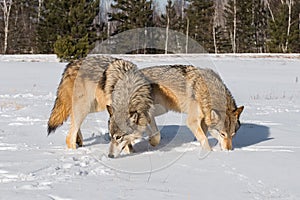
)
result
[(222, 41), (18, 20), (69, 22), (283, 40), (230, 24), (245, 27), (172, 21), (295, 33), (260, 21), (200, 17), (175, 22), (132, 14), (246, 22), (22, 37)]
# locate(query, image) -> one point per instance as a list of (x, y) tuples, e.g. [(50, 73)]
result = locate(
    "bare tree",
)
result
[(168, 7), (39, 10), (6, 9), (270, 10), (289, 3), (214, 28), (234, 27), (167, 32), (187, 35)]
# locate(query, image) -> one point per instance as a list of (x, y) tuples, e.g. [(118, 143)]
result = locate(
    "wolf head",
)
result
[(124, 130), (130, 111), (224, 128)]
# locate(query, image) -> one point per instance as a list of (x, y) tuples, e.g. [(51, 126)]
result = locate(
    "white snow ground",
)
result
[(264, 164)]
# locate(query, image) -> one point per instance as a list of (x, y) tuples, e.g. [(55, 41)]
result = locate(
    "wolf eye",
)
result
[(222, 134), (118, 137)]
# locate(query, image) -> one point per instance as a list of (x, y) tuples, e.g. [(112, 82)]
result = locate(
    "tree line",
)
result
[(70, 28)]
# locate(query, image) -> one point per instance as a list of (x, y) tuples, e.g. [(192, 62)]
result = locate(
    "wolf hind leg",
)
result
[(79, 139), (74, 136)]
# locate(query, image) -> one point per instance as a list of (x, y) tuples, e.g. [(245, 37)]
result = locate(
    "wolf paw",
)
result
[(79, 141), (70, 143), (154, 140)]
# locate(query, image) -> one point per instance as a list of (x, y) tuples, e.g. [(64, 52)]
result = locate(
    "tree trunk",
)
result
[(215, 40), (214, 29), (285, 49), (39, 10), (187, 35), (6, 8), (167, 33), (182, 9), (271, 13), (234, 27)]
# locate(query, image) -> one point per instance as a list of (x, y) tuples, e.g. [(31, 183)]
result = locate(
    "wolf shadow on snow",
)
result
[(173, 136)]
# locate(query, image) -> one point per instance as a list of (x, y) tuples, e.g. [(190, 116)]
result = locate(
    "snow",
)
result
[(264, 164)]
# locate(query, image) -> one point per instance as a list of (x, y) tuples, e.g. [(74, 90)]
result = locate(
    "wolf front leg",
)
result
[(199, 129), (153, 132)]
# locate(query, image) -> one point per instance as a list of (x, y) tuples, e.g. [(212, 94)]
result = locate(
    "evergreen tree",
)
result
[(174, 22), (22, 37), (132, 14), (245, 26), (281, 40), (200, 16), (222, 41), (21, 30), (246, 22), (67, 27), (260, 21), (295, 33)]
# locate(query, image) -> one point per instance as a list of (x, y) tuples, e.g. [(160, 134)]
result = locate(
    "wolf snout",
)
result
[(111, 156)]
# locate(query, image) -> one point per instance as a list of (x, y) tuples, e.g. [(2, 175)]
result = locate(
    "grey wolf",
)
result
[(82, 91), (131, 110), (182, 88)]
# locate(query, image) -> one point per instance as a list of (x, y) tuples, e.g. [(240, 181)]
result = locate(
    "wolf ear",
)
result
[(238, 111), (110, 110), (214, 116), (134, 117)]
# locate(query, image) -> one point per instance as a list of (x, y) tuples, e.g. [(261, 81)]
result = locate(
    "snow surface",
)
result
[(264, 164)]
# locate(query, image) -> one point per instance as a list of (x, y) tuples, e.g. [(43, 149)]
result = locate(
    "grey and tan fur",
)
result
[(82, 91), (202, 95), (131, 111), (198, 92)]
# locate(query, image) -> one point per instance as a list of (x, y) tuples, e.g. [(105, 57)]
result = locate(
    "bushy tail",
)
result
[(63, 102)]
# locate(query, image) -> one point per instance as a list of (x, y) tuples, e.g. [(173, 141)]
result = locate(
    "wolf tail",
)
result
[(63, 102)]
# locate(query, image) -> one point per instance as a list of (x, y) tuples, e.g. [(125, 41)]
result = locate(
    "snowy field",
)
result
[(264, 164)]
